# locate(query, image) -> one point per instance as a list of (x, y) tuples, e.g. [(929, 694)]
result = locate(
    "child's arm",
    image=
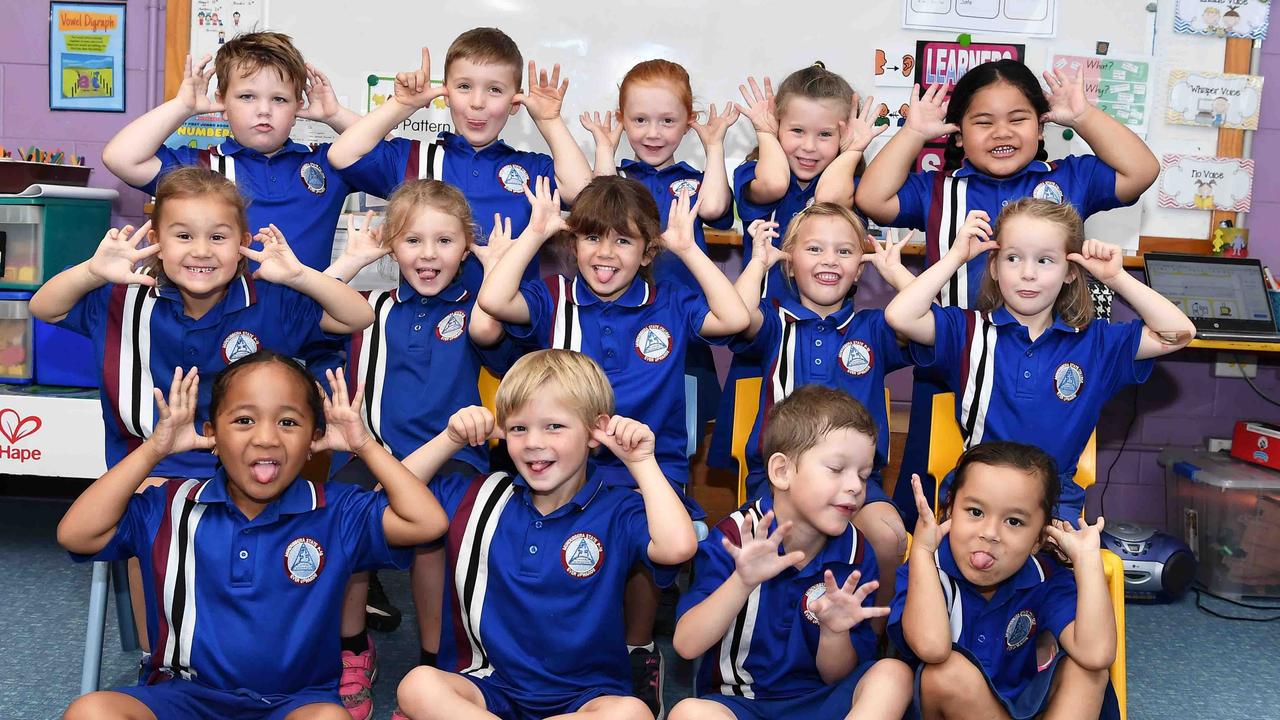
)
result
[(839, 611), (413, 515), (856, 133), (472, 425), (91, 521), (887, 260), (757, 561), (113, 262), (728, 315), (908, 313), (714, 197), (773, 175), (131, 154), (763, 257), (1090, 639), (544, 102), (1167, 327), (322, 104), (364, 247), (671, 537), (926, 119), (413, 91), (607, 135), (345, 312), (1114, 143), (486, 330), (500, 292), (925, 623)]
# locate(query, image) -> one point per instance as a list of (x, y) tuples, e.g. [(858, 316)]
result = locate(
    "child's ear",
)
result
[(602, 422), (207, 431), (651, 250), (857, 271), (780, 471), (960, 138), (515, 106)]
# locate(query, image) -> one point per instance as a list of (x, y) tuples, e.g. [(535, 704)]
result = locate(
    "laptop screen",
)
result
[(1216, 293)]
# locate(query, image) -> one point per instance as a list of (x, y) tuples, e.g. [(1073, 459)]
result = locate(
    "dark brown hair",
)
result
[(1027, 458), (195, 181), (808, 415), (486, 46), (989, 73), (623, 205), (222, 381)]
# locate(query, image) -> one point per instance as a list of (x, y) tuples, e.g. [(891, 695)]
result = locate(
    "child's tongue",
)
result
[(981, 560), (264, 472), (604, 274)]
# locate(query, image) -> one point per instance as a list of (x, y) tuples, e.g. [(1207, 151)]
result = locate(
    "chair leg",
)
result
[(92, 663), (124, 606)]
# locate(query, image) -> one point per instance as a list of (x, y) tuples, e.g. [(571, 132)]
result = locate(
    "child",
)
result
[(994, 123), (974, 593), (786, 635), (482, 88), (417, 364), (1032, 364), (263, 83), (537, 563), (637, 330), (812, 334), (253, 549)]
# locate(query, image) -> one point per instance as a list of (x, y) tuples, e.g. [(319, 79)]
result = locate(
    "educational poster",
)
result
[(200, 132), (1205, 183), (425, 124), (214, 22), (1214, 99), (86, 57), (1223, 18), (895, 65), (1029, 18), (1120, 87)]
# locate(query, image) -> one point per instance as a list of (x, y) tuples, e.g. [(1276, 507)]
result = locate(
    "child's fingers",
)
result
[(780, 533), (829, 580), (140, 234), (917, 490), (863, 591), (875, 611)]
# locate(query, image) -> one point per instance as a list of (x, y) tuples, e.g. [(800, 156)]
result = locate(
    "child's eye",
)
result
[(412, 240), (826, 133), (1046, 261), (243, 420), (813, 249), (1011, 258), (555, 426), (184, 236), (846, 252), (797, 131), (1016, 522), (624, 241), (217, 237), (289, 422), (445, 240), (592, 238), (837, 469), (973, 512), (639, 120), (464, 86), (668, 121), (515, 429), (495, 90), (279, 99), (245, 96)]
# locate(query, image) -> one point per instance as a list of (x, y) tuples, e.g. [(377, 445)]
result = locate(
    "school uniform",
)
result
[(140, 334), (639, 340), (215, 582), (851, 350), (1047, 393), (766, 664), (937, 203), (533, 609), (999, 635)]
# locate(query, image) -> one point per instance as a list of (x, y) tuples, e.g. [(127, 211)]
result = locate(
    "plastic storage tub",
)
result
[(1228, 512), (15, 338)]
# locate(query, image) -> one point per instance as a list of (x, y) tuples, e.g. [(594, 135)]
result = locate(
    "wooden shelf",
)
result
[(1242, 345)]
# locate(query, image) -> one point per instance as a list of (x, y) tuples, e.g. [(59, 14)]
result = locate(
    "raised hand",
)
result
[(276, 261), (712, 132), (927, 114), (364, 247), (413, 88), (344, 430), (763, 233), (760, 108), (840, 608), (118, 254), (631, 441), (473, 425), (546, 96), (681, 219), (545, 219), (175, 431), (888, 257), (605, 128), (498, 245), (860, 129), (322, 102), (1077, 544), (928, 535), (1067, 101), (756, 559), (1102, 260), (975, 236), (193, 93)]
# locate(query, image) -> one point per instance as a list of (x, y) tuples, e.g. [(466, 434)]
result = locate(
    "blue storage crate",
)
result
[(64, 357)]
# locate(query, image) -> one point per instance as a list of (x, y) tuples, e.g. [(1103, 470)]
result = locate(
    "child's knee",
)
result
[(948, 679), (421, 685), (106, 704), (893, 671), (618, 706), (319, 711), (688, 709)]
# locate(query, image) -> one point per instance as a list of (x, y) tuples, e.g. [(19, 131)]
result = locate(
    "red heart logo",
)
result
[(15, 427)]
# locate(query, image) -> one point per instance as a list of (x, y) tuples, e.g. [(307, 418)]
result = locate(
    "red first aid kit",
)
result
[(1257, 442)]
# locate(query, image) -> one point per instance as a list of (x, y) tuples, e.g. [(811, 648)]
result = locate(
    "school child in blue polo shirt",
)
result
[(1032, 364), (977, 590), (417, 364), (638, 330), (482, 74), (252, 552), (538, 563), (812, 333), (263, 83), (781, 601), (994, 123)]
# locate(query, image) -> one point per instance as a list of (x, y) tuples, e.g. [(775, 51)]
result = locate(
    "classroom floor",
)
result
[(1182, 662)]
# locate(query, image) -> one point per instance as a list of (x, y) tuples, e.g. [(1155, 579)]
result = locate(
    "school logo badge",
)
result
[(581, 555), (856, 357), (653, 343), (1021, 628), (513, 178), (811, 596), (239, 344), (303, 560), (1068, 380), (451, 326), (313, 177), (1048, 190), (689, 184)]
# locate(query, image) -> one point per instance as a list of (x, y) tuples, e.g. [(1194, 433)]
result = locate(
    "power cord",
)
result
[(1236, 359), (1106, 483), (1201, 591)]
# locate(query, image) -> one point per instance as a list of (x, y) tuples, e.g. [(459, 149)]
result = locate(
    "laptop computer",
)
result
[(1225, 297)]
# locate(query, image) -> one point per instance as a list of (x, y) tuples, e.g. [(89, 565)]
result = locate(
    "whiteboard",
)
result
[(720, 43)]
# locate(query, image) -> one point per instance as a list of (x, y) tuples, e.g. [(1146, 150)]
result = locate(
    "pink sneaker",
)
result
[(356, 685)]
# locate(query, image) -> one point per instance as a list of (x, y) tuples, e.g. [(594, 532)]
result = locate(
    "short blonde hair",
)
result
[(486, 46), (416, 195), (574, 377), (823, 209), (247, 54)]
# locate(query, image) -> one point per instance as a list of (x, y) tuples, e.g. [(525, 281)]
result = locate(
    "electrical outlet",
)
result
[(1219, 444), (1234, 365)]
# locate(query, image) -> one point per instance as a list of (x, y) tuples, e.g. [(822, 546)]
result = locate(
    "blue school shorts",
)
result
[(830, 701), (531, 706), (179, 699)]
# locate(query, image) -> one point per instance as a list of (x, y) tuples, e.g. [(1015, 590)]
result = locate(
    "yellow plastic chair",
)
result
[(488, 386), (945, 448)]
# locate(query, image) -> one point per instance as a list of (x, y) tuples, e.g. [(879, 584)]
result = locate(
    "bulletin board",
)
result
[(720, 44)]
